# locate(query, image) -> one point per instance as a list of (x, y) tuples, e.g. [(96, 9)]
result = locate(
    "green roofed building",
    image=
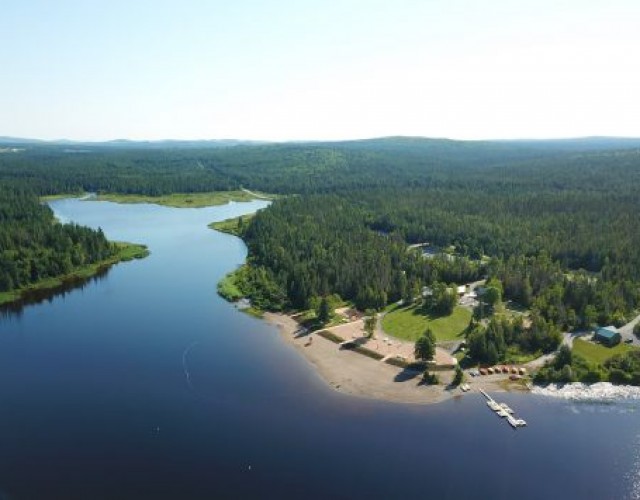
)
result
[(608, 336)]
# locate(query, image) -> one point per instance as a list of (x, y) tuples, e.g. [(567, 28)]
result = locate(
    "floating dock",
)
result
[(503, 411)]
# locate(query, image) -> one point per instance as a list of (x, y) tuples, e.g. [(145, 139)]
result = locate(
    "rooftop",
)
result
[(608, 332)]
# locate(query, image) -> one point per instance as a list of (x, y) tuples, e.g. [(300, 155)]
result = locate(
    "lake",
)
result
[(144, 384)]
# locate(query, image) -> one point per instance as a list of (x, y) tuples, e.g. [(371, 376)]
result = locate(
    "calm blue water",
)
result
[(146, 385)]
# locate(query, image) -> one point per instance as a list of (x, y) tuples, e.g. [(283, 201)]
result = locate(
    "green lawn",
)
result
[(515, 356), (130, 251), (176, 200), (230, 226), (597, 353), (228, 288), (54, 197), (409, 323), (179, 200)]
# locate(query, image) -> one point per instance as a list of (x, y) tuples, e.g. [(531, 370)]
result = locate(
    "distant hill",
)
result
[(175, 143), (393, 143), (126, 143), (18, 141), (580, 143), (160, 167)]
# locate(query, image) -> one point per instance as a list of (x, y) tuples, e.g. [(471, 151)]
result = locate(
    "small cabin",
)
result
[(608, 336)]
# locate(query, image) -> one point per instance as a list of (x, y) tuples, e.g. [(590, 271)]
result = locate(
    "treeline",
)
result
[(555, 223), (33, 247), (568, 298), (491, 344), (318, 245), (355, 245), (432, 164), (579, 229), (54, 170), (567, 367)]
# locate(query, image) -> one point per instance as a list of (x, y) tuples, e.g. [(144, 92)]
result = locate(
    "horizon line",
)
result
[(9, 139)]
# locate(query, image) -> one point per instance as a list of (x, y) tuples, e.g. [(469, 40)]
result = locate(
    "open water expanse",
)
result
[(144, 384)]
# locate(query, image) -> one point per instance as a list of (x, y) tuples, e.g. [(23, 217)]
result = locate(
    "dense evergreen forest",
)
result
[(319, 167), (33, 247), (555, 222)]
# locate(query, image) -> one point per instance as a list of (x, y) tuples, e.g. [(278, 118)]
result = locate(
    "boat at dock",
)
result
[(504, 411), (516, 422), (506, 408), (493, 405)]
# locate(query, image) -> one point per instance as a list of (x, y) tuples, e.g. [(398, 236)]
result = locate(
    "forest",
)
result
[(553, 222), (33, 247)]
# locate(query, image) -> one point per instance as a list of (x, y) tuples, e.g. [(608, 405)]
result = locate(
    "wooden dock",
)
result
[(503, 411)]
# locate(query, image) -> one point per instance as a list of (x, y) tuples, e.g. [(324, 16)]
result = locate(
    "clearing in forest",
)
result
[(409, 323)]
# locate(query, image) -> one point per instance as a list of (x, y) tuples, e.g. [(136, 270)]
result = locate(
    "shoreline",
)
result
[(354, 374), (174, 200), (126, 252)]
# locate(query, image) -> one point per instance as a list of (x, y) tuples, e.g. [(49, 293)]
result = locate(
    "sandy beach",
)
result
[(355, 374)]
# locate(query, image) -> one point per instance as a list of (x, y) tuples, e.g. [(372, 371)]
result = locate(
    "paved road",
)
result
[(567, 339), (476, 284), (626, 331)]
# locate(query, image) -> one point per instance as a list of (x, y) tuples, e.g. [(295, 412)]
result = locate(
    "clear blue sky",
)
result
[(307, 69)]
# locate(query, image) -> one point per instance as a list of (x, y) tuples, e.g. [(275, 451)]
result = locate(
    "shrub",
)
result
[(459, 376), (430, 378), (619, 377)]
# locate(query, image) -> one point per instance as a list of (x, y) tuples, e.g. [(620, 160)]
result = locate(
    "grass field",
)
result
[(253, 311), (126, 251), (54, 197), (597, 353), (176, 200), (227, 287), (130, 251), (409, 323), (515, 356), (230, 226), (180, 200)]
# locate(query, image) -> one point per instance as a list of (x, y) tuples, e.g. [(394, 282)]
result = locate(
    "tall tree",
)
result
[(324, 311), (425, 347), (370, 321)]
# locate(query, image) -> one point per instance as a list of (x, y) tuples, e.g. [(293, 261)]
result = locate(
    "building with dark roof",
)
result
[(608, 336)]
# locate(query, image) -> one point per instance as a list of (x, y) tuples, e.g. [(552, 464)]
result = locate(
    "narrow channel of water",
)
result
[(144, 384)]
